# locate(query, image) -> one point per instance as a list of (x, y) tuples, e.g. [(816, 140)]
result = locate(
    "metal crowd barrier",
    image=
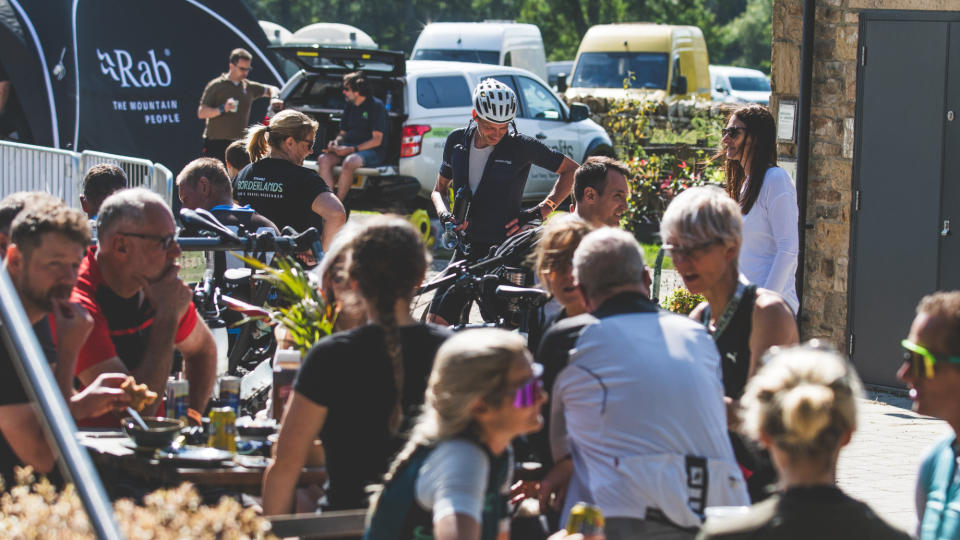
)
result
[(24, 167), (30, 364)]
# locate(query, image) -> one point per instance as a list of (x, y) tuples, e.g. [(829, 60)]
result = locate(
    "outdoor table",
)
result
[(113, 457)]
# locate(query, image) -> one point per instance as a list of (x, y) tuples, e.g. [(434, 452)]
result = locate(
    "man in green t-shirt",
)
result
[(226, 101)]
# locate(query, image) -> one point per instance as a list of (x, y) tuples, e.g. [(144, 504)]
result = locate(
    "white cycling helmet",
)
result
[(494, 101)]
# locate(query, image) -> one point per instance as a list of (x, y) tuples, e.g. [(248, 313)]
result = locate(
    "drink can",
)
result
[(223, 429), (230, 392), (585, 519), (178, 398)]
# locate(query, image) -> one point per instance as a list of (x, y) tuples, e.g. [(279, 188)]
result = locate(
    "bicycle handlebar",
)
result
[(201, 221)]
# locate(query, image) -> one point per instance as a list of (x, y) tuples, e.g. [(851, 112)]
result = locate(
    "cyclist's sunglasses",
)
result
[(528, 394), (731, 132), (918, 356)]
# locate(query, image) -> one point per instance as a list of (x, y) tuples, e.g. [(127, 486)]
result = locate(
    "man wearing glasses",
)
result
[(141, 308), (931, 369), (638, 425), (362, 138), (225, 104)]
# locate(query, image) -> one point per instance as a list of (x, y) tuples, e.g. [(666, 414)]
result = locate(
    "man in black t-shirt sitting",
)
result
[(203, 183), (362, 140)]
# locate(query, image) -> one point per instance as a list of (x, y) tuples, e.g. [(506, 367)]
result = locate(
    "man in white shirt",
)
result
[(637, 414)]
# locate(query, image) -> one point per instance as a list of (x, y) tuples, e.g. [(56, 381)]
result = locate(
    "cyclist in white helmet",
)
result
[(488, 165)]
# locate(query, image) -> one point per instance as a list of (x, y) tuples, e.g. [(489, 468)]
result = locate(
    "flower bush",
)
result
[(657, 178), (681, 301)]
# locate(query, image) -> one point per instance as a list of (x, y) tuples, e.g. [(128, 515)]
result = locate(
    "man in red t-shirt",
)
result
[(141, 308)]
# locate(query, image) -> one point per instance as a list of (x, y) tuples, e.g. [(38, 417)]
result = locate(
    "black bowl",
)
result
[(161, 432)]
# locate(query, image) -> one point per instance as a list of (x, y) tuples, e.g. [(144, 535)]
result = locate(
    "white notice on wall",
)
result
[(786, 120)]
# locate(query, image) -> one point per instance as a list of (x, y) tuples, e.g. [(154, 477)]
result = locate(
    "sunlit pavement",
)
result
[(879, 466)]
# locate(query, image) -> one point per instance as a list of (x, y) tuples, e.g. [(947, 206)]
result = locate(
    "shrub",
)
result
[(656, 179), (681, 301), (38, 510)]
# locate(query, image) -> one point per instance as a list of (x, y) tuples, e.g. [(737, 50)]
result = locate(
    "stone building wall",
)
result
[(830, 172)]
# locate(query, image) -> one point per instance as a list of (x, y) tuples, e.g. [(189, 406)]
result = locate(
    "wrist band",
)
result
[(550, 203), (222, 108)]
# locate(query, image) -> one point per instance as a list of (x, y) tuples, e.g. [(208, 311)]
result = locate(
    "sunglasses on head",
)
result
[(922, 361), (528, 394), (731, 131)]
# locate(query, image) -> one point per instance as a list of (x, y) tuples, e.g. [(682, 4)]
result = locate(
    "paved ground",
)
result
[(880, 465)]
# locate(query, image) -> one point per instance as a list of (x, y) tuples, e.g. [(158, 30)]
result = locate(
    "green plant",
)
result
[(681, 301), (656, 179), (304, 312)]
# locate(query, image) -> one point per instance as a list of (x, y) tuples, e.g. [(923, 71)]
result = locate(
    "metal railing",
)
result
[(30, 364), (24, 167)]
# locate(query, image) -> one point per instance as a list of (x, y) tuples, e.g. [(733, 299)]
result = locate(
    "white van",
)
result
[(738, 85), (490, 42)]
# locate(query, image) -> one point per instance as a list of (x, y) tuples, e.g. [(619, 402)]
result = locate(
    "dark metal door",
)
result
[(950, 201), (897, 186)]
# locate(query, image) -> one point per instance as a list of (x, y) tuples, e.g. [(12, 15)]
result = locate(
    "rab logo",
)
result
[(147, 74)]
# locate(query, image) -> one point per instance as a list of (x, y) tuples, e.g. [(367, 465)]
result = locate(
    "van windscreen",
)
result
[(750, 84), (458, 55), (619, 69)]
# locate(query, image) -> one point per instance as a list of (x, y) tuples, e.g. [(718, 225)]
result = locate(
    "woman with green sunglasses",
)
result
[(931, 369)]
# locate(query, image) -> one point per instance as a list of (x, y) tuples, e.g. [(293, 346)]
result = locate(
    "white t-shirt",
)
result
[(478, 161), (771, 244), (453, 480)]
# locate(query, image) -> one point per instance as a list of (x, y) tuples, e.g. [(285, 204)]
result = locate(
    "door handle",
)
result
[(946, 229), (541, 136)]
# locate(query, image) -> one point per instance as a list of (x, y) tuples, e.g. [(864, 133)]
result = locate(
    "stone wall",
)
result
[(830, 173)]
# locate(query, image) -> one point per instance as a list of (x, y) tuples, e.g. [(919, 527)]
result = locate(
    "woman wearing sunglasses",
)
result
[(931, 369), (359, 389), (701, 230), (767, 199), (452, 479), (802, 405), (277, 185)]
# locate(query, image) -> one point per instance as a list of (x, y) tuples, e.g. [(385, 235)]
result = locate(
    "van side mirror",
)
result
[(561, 83), (721, 89), (679, 85), (578, 112)]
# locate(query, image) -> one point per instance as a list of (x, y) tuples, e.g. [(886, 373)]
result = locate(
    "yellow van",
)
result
[(670, 60)]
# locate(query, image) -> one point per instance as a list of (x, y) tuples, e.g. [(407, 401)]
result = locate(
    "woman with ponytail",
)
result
[(451, 480), (277, 185), (802, 405), (359, 389)]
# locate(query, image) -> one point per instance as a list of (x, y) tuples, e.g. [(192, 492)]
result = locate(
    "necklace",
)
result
[(727, 314)]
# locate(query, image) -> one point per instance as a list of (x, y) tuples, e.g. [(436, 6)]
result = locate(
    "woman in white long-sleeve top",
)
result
[(767, 198)]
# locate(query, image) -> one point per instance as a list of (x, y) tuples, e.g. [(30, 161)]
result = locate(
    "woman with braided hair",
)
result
[(359, 389), (451, 480)]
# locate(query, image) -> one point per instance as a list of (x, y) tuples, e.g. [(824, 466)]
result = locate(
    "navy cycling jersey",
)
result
[(497, 199)]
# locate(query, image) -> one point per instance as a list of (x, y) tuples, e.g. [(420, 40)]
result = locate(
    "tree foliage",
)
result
[(736, 31)]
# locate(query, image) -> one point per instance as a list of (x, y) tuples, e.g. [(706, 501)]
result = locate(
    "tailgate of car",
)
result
[(317, 59)]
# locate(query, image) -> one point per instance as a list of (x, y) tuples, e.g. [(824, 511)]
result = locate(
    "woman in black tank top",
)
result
[(701, 230)]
